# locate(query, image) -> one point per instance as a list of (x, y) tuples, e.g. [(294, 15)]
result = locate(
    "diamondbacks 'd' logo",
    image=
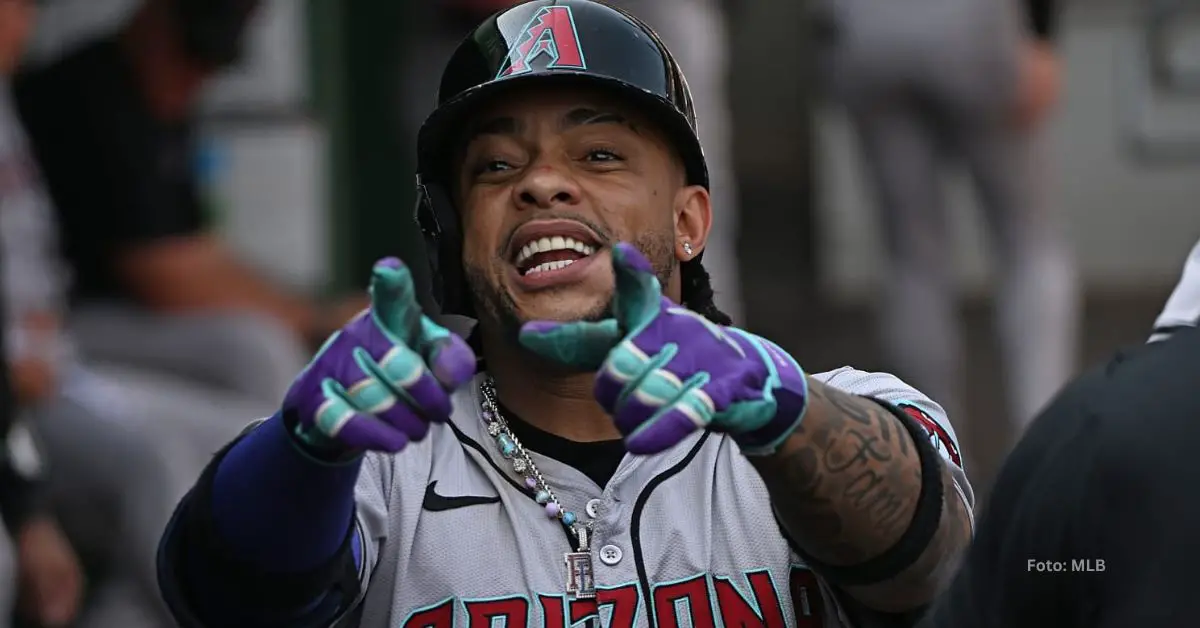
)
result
[(551, 32), (938, 435)]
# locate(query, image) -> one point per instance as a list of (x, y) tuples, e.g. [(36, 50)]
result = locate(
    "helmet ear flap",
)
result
[(439, 224)]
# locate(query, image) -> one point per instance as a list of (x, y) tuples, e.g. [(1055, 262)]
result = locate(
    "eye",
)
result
[(490, 166), (602, 154)]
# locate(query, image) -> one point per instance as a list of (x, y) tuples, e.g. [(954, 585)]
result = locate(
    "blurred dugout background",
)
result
[(307, 165)]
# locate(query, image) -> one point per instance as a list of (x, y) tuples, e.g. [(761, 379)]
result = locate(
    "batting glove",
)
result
[(664, 371), (378, 382)]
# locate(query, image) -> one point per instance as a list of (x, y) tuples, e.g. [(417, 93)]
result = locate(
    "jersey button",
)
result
[(610, 555), (593, 508)]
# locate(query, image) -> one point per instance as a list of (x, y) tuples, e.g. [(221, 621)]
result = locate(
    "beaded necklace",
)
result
[(580, 577)]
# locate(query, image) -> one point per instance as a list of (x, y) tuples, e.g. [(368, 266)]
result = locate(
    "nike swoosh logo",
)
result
[(438, 503)]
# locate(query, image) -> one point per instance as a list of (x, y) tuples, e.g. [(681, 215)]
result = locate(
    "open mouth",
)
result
[(544, 253), (551, 253)]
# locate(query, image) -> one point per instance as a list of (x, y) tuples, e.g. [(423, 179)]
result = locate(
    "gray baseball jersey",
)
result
[(683, 538)]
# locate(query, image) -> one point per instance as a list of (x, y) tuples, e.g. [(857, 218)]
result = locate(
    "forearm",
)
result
[(846, 487), (278, 507), (265, 514), (199, 273)]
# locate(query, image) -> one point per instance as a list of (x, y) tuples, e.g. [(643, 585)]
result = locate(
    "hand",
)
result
[(1040, 83), (33, 379), (665, 371), (379, 381), (33, 373), (50, 578)]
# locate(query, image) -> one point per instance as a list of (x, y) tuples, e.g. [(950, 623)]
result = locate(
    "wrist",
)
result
[(314, 445), (784, 398)]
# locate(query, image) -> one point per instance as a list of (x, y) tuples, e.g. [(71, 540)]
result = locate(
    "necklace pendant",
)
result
[(581, 584), (581, 580)]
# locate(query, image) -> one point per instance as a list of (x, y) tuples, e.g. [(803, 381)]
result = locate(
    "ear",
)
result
[(693, 220)]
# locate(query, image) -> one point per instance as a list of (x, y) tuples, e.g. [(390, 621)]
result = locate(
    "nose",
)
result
[(544, 187)]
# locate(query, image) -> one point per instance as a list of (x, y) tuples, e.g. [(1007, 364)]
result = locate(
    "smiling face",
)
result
[(549, 181)]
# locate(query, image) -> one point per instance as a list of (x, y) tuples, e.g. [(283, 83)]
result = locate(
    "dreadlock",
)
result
[(698, 294)]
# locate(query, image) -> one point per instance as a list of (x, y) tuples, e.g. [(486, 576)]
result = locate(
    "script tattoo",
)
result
[(845, 486)]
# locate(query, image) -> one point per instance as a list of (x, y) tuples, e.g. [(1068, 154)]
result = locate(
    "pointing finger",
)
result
[(393, 301), (582, 345), (396, 311), (450, 359), (691, 411), (638, 292)]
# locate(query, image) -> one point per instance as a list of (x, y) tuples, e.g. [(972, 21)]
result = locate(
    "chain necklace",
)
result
[(580, 579)]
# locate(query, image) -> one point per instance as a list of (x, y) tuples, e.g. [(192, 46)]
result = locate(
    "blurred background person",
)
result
[(135, 382), (112, 125), (40, 574), (694, 30), (41, 578), (932, 85)]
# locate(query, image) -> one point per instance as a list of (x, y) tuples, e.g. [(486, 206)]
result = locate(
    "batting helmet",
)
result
[(552, 42)]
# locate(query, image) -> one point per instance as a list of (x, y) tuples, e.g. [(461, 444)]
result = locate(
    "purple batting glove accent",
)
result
[(453, 362), (788, 397), (380, 381), (662, 433), (676, 372), (541, 328), (630, 257), (638, 293), (608, 390), (701, 347), (389, 431)]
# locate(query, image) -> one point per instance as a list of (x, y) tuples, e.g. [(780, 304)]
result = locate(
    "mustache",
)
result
[(604, 234)]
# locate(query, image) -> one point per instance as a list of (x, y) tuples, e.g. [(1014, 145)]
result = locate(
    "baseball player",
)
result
[(928, 84), (617, 455), (1091, 521)]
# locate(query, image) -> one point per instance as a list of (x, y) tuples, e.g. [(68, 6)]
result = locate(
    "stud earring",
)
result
[(687, 249)]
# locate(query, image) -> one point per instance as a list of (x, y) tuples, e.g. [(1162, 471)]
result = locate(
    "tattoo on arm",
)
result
[(846, 484)]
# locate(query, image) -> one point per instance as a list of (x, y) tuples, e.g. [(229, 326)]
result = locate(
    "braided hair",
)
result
[(698, 294)]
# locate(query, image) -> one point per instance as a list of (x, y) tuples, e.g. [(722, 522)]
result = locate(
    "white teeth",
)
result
[(555, 243), (545, 266)]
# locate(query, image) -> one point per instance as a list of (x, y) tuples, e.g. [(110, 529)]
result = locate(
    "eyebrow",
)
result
[(507, 125), (503, 125), (583, 115)]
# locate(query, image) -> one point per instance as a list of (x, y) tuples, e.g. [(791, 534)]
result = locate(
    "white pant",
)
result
[(928, 84)]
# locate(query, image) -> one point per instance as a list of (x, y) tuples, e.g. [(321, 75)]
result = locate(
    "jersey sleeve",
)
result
[(374, 484), (919, 407)]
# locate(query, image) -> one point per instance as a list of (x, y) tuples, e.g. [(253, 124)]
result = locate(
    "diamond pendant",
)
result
[(581, 582)]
